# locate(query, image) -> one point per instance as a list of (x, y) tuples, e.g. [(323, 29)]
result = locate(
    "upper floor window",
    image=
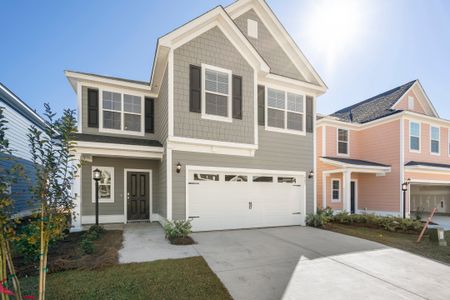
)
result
[(121, 112), (342, 141), (435, 140), (217, 93), (285, 111), (414, 136)]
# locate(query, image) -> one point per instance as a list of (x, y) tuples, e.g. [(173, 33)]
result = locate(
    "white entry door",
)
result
[(219, 200)]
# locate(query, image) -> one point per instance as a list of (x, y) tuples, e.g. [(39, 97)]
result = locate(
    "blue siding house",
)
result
[(20, 117)]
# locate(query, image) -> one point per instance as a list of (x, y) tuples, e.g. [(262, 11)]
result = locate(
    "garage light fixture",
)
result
[(178, 168), (405, 189), (311, 174)]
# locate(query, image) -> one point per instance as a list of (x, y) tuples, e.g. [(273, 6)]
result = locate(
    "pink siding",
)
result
[(403, 104), (378, 144), (425, 146)]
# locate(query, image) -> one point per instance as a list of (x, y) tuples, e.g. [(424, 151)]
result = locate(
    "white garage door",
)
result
[(223, 199)]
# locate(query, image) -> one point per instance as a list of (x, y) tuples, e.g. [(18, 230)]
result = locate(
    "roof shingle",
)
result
[(374, 108)]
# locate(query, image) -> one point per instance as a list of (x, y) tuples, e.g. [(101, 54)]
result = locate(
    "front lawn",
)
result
[(404, 241), (188, 278)]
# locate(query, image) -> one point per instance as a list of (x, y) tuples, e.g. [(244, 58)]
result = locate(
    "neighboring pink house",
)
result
[(366, 151)]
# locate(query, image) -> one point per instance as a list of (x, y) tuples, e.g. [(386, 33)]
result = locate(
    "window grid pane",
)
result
[(415, 129), (132, 122), (275, 118), (435, 133), (132, 104), (112, 101), (276, 99), (216, 82), (415, 143), (294, 121), (295, 102), (112, 120), (216, 105)]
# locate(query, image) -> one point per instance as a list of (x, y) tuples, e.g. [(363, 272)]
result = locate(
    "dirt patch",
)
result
[(67, 254), (182, 241)]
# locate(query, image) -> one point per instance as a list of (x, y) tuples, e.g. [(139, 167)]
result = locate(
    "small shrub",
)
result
[(178, 229), (315, 220), (98, 229), (87, 246)]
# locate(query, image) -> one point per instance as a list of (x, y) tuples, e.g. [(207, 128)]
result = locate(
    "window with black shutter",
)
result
[(309, 114), (92, 108), (195, 85), (149, 115), (237, 97), (261, 105)]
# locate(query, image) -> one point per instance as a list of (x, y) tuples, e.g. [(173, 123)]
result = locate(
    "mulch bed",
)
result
[(67, 255), (182, 241)]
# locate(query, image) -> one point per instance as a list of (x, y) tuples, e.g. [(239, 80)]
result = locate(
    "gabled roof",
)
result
[(374, 108), (280, 33), (8, 97), (111, 77)]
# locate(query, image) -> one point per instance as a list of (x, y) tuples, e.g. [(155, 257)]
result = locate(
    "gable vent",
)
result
[(252, 28)]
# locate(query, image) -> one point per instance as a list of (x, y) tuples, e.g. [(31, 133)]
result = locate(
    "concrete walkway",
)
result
[(146, 242), (307, 263)]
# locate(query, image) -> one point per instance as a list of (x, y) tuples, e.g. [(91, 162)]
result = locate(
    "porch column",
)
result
[(347, 179), (76, 194)]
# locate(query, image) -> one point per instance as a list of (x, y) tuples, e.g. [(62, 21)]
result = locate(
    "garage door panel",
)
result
[(220, 204)]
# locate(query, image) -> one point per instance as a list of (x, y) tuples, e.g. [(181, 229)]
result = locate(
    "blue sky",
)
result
[(359, 47)]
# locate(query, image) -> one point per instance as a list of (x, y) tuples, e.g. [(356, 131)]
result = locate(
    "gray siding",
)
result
[(268, 47), (278, 151), (161, 110), (90, 130), (211, 48), (119, 164)]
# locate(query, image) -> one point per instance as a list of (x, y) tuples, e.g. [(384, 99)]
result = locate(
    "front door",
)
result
[(138, 191), (352, 196)]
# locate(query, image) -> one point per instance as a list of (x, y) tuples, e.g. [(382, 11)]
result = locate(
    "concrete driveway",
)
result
[(307, 263)]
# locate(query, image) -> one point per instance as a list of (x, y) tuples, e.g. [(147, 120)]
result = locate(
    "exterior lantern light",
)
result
[(178, 168), (311, 174), (97, 175), (405, 189)]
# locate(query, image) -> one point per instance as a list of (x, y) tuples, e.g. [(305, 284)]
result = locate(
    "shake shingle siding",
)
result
[(268, 47), (212, 48), (161, 110)]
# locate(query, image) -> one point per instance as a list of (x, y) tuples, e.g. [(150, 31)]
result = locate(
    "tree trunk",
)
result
[(12, 271)]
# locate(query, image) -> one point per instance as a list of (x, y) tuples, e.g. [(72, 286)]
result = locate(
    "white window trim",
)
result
[(448, 141), (111, 200), (331, 187), (411, 103), (438, 140), (410, 135), (122, 112), (337, 142), (229, 118), (266, 108)]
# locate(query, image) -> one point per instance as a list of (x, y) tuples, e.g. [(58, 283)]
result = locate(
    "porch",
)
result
[(129, 189), (351, 185)]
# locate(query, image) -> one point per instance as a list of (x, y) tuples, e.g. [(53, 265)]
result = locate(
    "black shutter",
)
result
[(309, 114), (261, 105), (92, 108), (195, 86), (237, 97), (149, 115)]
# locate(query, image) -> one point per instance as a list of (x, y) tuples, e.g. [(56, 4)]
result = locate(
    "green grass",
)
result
[(398, 240), (189, 278)]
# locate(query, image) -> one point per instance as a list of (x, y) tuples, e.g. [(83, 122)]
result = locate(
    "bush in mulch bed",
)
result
[(177, 232), (389, 223), (67, 254)]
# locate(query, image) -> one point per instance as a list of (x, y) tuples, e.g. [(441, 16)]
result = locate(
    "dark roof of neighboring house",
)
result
[(374, 108), (427, 164), (356, 162), (7, 96), (112, 77), (115, 140)]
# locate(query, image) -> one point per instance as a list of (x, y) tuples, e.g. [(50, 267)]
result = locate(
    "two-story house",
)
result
[(365, 153), (223, 133), (19, 118)]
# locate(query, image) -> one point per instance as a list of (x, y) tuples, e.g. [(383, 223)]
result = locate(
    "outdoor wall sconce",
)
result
[(311, 174), (178, 168)]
